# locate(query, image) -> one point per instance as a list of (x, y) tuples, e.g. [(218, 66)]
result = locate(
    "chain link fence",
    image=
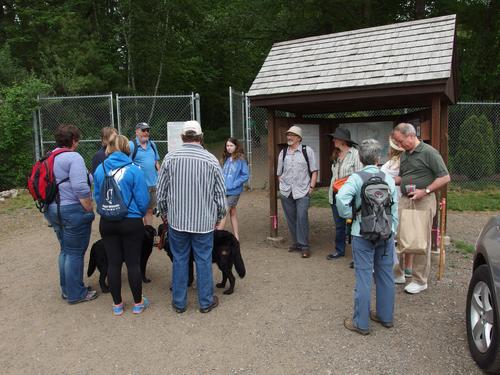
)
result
[(92, 113), (89, 113), (474, 142), (157, 111)]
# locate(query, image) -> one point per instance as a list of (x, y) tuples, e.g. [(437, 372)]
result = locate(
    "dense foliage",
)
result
[(204, 46)]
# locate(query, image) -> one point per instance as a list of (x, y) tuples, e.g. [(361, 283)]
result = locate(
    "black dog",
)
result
[(99, 260), (226, 253)]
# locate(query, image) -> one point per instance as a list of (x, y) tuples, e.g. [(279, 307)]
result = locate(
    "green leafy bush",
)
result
[(17, 103), (476, 152)]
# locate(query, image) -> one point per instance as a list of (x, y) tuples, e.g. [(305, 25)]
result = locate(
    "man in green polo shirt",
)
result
[(422, 169)]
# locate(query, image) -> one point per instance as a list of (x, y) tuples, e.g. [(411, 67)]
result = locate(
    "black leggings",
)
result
[(123, 242)]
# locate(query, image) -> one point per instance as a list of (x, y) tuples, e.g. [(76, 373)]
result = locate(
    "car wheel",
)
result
[(482, 322)]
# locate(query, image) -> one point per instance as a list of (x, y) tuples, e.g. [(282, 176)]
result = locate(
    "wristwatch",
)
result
[(427, 191)]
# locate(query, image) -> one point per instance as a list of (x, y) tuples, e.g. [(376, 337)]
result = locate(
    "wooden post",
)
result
[(436, 143), (444, 152), (272, 163), (442, 254)]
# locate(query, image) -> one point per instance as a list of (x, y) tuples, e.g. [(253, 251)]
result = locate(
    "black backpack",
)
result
[(110, 205), (376, 203), (304, 152)]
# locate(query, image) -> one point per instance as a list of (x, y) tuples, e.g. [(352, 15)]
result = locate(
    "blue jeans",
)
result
[(73, 233), (373, 260), (296, 215), (181, 244), (340, 228)]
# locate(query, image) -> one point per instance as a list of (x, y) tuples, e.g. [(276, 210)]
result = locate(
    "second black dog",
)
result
[(99, 260), (226, 253)]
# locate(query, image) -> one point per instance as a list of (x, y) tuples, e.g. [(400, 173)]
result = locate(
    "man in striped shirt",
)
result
[(191, 197)]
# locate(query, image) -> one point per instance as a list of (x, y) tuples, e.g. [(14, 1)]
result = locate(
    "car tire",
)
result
[(482, 322)]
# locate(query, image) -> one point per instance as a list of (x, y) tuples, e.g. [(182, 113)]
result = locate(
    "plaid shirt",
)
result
[(344, 168)]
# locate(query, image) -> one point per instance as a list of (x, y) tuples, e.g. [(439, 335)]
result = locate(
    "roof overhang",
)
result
[(360, 98)]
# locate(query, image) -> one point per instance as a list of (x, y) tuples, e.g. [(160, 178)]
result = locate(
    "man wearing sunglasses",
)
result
[(144, 153)]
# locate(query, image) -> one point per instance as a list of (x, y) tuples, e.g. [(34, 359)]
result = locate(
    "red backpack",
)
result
[(42, 182)]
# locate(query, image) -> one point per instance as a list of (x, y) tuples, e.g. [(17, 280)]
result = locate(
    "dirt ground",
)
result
[(285, 316)]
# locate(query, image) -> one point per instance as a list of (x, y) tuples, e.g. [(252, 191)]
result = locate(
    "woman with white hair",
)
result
[(373, 258)]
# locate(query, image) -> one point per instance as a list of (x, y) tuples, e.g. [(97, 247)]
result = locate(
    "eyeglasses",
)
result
[(145, 130)]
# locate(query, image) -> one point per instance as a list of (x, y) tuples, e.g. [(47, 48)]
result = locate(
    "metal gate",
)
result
[(90, 113), (157, 111), (249, 125), (239, 119)]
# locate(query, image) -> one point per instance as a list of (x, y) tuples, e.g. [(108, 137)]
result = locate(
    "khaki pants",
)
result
[(421, 263)]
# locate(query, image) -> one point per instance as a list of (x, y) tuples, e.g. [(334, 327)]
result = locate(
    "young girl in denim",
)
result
[(235, 172)]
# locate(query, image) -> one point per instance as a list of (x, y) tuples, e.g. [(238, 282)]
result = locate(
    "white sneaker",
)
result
[(400, 280), (414, 288)]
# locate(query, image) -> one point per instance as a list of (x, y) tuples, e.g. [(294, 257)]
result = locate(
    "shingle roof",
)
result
[(398, 53)]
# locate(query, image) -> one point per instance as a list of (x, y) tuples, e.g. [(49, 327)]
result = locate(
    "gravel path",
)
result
[(285, 317)]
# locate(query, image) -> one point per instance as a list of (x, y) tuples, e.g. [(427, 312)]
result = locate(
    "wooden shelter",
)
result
[(404, 65)]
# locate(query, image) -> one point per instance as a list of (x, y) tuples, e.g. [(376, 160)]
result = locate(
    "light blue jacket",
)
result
[(130, 180), (235, 174), (352, 189)]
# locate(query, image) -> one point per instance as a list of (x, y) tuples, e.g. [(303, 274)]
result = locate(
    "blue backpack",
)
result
[(110, 205)]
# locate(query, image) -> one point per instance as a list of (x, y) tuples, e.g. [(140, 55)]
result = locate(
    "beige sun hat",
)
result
[(294, 129)]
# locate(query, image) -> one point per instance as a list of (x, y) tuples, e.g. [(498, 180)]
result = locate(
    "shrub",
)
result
[(16, 131), (476, 152)]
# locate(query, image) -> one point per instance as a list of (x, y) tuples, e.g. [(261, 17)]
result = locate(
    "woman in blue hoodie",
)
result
[(123, 238), (235, 171)]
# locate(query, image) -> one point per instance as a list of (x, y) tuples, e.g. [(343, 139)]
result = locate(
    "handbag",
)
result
[(338, 183), (414, 230)]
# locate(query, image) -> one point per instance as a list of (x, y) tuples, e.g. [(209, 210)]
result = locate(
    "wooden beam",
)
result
[(272, 163), (436, 122), (436, 143)]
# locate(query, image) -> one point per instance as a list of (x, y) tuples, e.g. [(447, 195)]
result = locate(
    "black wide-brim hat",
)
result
[(344, 135)]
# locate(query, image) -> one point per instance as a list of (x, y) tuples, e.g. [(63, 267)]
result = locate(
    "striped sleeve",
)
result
[(162, 189), (219, 193)]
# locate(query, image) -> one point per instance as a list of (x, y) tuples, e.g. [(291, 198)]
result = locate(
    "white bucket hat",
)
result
[(294, 129)]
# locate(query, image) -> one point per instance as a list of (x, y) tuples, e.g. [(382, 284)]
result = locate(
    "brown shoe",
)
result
[(375, 318), (210, 307), (351, 327), (306, 254)]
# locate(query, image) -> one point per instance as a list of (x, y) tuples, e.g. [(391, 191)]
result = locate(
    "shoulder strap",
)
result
[(153, 146), (136, 146), (119, 169), (304, 152)]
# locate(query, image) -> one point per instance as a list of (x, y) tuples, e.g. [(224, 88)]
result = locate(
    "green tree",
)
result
[(16, 131), (476, 152)]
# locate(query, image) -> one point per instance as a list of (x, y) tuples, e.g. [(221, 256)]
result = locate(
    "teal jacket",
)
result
[(352, 189)]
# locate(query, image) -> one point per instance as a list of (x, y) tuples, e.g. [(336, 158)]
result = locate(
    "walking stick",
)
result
[(442, 254)]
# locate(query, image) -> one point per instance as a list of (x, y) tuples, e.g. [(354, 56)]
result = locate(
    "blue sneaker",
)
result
[(140, 307), (118, 309)]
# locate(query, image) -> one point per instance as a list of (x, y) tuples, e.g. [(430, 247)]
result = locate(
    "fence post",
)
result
[(249, 138), (231, 111), (36, 137), (111, 112), (118, 118), (197, 107)]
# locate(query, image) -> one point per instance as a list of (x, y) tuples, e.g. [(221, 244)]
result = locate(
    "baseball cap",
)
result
[(142, 126), (193, 126)]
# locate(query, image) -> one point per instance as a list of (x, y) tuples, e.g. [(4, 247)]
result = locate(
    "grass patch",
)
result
[(463, 246), (460, 199), (319, 198), (22, 201)]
